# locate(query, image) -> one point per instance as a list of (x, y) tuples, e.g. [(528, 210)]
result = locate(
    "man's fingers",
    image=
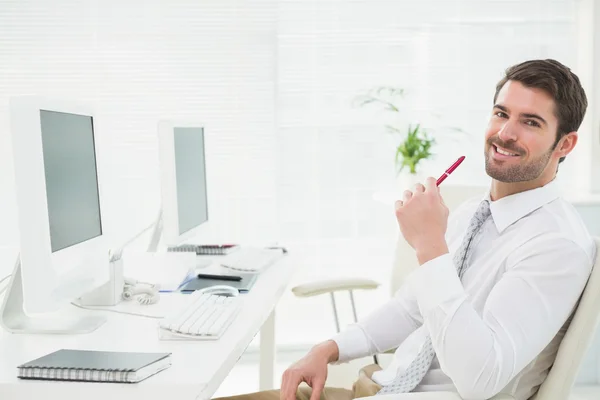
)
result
[(284, 387), (406, 195), (289, 386), (443, 202), (317, 389), (419, 187), (431, 185), (398, 204)]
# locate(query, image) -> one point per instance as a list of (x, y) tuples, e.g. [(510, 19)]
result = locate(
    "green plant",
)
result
[(415, 144), (414, 148)]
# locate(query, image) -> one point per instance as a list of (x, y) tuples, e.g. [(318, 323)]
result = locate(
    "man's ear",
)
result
[(566, 144)]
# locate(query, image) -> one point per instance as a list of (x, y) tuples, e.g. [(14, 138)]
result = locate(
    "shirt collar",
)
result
[(510, 209)]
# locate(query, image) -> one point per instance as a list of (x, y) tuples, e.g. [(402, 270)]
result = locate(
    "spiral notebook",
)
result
[(95, 366)]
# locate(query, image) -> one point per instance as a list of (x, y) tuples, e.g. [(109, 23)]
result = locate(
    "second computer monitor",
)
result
[(183, 180)]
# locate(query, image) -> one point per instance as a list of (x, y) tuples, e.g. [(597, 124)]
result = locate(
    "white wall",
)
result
[(587, 153), (448, 55), (274, 81), (137, 61)]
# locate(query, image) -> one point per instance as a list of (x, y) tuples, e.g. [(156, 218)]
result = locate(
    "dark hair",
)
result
[(560, 83)]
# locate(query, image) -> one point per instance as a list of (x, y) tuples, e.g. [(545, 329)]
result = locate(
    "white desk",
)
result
[(198, 367)]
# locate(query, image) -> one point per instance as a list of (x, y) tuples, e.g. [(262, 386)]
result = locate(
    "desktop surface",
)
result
[(198, 367)]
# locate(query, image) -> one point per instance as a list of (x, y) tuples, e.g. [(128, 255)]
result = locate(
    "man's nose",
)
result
[(508, 131)]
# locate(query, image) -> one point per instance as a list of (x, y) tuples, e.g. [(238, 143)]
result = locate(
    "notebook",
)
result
[(95, 366)]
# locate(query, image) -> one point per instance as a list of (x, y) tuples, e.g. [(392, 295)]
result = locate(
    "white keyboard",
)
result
[(205, 316), (250, 259)]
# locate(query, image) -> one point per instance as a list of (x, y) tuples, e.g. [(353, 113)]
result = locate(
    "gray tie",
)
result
[(416, 371)]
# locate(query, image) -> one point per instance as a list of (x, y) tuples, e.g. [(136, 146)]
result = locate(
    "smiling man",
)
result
[(548, 105), (486, 310)]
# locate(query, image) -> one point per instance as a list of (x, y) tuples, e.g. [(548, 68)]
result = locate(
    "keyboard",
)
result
[(202, 249), (250, 259), (204, 317)]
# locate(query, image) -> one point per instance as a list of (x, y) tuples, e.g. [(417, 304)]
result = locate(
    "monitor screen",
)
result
[(71, 178), (190, 170)]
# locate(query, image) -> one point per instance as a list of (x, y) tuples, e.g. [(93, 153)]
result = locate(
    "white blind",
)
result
[(447, 54), (140, 60), (274, 81)]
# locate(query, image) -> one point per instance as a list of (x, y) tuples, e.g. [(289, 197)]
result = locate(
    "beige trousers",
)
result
[(363, 387)]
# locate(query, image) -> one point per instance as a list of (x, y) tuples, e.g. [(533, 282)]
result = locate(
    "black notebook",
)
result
[(95, 366)]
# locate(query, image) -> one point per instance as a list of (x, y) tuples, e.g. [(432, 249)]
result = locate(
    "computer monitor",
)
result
[(63, 249), (183, 181)]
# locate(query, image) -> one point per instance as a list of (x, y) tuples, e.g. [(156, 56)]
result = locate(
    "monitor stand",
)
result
[(156, 233), (14, 319), (156, 227)]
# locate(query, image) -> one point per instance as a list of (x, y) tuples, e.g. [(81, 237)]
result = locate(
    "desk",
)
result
[(198, 367)]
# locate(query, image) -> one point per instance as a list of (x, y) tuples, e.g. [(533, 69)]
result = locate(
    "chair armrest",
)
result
[(430, 396), (333, 285)]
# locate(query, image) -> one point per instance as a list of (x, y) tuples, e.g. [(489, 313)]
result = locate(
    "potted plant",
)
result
[(415, 143)]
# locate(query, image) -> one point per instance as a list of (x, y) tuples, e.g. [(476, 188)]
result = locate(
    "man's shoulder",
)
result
[(559, 220)]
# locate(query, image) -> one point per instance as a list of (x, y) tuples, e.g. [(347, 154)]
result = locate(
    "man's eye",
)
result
[(500, 114), (533, 123)]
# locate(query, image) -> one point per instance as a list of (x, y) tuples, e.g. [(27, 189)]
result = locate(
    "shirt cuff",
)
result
[(352, 343), (436, 283)]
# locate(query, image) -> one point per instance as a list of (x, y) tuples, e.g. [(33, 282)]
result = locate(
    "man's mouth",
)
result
[(503, 153)]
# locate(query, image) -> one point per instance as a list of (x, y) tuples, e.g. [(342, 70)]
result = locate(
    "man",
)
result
[(486, 310)]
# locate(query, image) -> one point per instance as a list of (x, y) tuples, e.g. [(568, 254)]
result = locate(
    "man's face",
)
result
[(520, 135)]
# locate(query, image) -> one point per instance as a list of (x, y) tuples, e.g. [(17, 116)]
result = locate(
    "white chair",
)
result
[(571, 352)]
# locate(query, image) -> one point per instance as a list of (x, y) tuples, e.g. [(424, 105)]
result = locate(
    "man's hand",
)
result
[(311, 369), (423, 218)]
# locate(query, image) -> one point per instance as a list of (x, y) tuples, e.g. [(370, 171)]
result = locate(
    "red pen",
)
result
[(450, 170)]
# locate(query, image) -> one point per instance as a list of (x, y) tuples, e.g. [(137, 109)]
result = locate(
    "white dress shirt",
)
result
[(497, 330)]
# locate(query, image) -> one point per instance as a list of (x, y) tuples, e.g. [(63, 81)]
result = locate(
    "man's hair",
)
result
[(559, 82)]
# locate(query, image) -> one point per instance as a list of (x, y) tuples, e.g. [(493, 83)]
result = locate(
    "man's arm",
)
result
[(382, 330), (386, 328), (524, 311)]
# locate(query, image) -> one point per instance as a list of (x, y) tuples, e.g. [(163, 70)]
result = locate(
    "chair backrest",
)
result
[(578, 337), (405, 259)]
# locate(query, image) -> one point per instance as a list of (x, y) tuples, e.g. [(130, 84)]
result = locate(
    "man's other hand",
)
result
[(311, 369)]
